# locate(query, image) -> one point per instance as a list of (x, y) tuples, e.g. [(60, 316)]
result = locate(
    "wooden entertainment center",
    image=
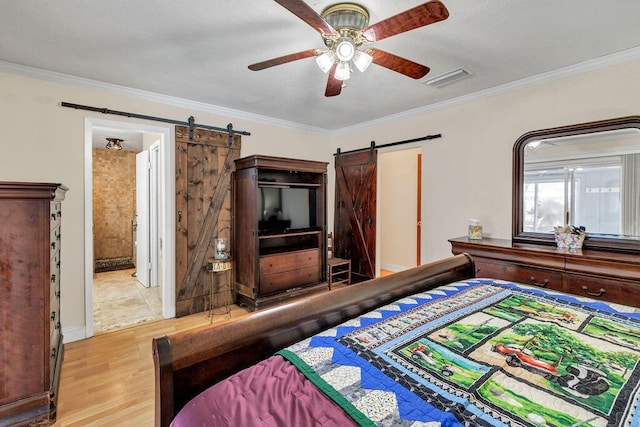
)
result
[(607, 275), (279, 229)]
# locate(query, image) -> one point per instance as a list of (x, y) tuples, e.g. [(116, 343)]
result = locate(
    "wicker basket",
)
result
[(569, 240)]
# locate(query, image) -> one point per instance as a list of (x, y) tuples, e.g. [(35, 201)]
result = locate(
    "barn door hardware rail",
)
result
[(190, 123), (390, 144)]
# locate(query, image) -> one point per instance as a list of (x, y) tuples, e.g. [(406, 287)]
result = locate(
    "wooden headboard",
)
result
[(189, 362)]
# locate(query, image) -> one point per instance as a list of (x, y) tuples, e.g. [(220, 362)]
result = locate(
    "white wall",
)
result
[(467, 172), (41, 141), (397, 208)]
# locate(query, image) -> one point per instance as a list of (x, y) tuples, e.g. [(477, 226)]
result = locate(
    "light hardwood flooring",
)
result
[(108, 380)]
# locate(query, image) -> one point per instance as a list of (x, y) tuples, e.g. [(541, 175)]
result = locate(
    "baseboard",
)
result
[(393, 267), (75, 333)]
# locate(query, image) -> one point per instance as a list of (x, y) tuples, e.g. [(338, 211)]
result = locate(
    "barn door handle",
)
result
[(370, 221)]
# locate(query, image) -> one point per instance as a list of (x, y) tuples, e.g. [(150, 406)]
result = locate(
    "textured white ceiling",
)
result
[(132, 139), (199, 50)]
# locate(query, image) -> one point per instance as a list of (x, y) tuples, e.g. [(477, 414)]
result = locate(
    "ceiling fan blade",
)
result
[(419, 16), (308, 15), (398, 64), (284, 59), (334, 86)]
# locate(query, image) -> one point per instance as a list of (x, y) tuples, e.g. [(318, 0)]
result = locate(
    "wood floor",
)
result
[(108, 380)]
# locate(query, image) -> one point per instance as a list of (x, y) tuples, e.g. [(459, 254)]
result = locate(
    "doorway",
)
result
[(399, 175), (122, 285)]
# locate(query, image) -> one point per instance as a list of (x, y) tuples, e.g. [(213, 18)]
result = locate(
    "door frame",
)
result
[(167, 184), (143, 218), (154, 213), (419, 256)]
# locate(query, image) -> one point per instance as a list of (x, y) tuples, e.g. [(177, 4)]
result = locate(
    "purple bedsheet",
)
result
[(271, 393)]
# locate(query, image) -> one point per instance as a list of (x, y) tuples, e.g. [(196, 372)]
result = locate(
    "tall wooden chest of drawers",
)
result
[(31, 347)]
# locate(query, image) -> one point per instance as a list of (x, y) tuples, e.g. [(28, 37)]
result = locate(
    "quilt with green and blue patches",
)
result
[(482, 352)]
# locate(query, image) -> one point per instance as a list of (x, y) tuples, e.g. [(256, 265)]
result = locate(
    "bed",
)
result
[(430, 346)]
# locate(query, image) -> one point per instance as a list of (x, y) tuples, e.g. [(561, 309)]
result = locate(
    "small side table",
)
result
[(216, 307)]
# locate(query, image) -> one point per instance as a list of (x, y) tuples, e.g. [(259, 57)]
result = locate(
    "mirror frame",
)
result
[(591, 242)]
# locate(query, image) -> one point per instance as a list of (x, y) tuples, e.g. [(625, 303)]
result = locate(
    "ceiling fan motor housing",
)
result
[(348, 19)]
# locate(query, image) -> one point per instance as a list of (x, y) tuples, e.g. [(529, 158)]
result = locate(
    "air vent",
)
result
[(448, 78)]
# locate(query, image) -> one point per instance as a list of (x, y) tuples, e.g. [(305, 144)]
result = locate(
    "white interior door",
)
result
[(154, 214), (143, 259)]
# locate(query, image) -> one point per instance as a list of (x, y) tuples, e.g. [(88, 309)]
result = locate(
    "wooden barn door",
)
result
[(355, 212), (203, 210)]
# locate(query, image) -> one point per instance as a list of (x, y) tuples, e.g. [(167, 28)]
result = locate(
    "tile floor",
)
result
[(119, 300)]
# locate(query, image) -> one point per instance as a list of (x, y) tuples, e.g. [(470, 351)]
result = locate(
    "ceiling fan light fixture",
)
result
[(342, 71), (362, 60), (345, 49), (326, 60)]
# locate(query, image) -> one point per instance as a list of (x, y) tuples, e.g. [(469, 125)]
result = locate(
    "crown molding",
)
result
[(583, 67), (572, 70), (68, 79)]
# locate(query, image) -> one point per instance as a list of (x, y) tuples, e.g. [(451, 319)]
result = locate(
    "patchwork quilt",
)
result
[(481, 352)]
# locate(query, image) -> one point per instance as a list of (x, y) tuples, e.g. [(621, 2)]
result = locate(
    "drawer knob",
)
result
[(544, 283), (593, 294)]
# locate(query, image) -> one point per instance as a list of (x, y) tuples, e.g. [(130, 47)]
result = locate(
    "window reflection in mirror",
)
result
[(583, 175), (578, 181)]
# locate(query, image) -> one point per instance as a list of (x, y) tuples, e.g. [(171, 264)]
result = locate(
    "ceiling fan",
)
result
[(344, 27)]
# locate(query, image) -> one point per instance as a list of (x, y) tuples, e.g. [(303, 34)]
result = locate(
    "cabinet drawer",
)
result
[(280, 263), (56, 214), (517, 273), (54, 352), (54, 242), (54, 316), (278, 282), (618, 291)]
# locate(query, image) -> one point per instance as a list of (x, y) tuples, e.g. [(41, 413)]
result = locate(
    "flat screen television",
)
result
[(283, 209)]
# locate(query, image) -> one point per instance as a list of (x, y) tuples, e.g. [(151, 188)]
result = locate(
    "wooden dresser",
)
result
[(610, 276), (31, 347)]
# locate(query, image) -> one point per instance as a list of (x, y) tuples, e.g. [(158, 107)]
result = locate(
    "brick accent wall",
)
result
[(114, 208)]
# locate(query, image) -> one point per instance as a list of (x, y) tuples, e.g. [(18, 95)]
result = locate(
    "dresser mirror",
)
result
[(586, 175)]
